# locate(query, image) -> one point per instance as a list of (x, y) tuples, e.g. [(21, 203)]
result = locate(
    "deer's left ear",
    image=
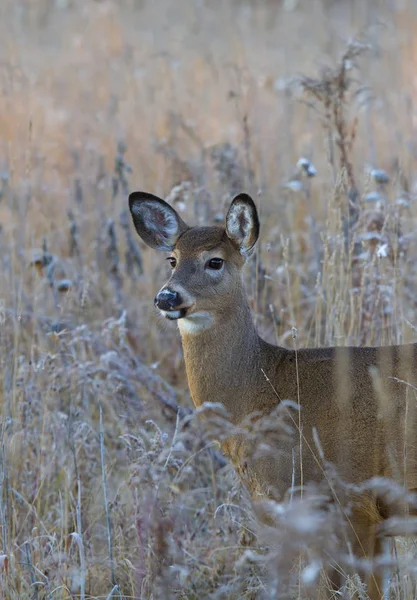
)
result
[(242, 223)]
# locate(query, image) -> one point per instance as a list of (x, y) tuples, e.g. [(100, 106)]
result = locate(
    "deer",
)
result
[(359, 402)]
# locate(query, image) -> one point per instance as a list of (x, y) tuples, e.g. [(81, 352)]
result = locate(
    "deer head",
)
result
[(206, 262)]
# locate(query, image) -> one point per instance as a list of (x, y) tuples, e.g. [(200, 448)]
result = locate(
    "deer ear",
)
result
[(157, 223), (242, 223)]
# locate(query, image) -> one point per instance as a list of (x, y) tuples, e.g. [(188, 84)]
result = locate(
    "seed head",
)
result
[(306, 167), (379, 176), (294, 185)]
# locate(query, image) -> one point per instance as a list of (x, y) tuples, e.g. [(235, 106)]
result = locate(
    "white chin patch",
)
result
[(172, 314), (196, 322)]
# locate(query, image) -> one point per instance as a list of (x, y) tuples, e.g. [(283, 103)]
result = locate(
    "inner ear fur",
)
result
[(157, 223), (242, 223)]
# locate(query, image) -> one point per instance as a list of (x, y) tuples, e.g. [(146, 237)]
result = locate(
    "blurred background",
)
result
[(106, 486)]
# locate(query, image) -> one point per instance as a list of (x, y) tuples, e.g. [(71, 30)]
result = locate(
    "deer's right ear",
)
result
[(157, 223)]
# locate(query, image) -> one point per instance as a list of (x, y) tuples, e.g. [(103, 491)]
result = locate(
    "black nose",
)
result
[(167, 299)]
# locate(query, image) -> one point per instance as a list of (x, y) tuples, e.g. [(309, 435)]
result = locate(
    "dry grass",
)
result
[(106, 488)]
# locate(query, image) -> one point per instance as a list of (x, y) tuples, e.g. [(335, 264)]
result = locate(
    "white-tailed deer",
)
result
[(360, 403)]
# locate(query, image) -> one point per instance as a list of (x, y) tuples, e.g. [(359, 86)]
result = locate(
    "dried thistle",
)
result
[(331, 91)]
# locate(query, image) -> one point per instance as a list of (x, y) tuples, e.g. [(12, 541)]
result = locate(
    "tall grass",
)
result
[(109, 484)]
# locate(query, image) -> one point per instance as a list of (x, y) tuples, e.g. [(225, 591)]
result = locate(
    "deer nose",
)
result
[(167, 299)]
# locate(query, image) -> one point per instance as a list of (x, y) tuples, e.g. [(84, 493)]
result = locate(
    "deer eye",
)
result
[(215, 264), (172, 261)]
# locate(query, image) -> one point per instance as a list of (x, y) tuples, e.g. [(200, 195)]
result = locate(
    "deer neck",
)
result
[(223, 357)]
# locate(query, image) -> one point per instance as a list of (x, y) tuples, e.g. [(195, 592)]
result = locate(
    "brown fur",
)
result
[(360, 401)]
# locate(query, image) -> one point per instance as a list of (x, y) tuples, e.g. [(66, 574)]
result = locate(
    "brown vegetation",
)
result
[(107, 489)]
